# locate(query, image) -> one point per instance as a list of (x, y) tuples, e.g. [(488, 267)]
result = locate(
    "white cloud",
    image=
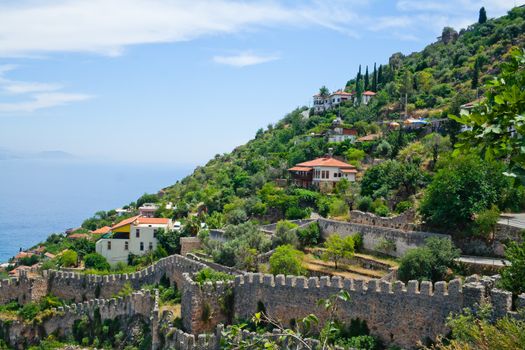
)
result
[(244, 59), (108, 26), (42, 100), (34, 95)]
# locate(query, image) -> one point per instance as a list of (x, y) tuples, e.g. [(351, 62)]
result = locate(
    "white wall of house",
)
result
[(341, 138), (141, 240), (331, 174), (113, 250)]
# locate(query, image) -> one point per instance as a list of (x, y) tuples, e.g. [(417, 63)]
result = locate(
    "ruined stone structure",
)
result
[(373, 235), (188, 244), (404, 221), (20, 333)]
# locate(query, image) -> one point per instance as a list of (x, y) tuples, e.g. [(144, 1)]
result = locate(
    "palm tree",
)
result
[(324, 92)]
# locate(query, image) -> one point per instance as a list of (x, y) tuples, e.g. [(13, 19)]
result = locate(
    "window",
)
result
[(109, 245), (137, 233), (154, 233), (150, 246), (141, 245), (126, 245)]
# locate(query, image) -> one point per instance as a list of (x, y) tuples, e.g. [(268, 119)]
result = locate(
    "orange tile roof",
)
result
[(24, 255), (327, 162), (101, 231), (300, 168), (369, 93), (349, 171), (370, 137), (153, 221), (125, 222)]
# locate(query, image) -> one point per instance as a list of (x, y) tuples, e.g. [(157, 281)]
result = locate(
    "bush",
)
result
[(429, 263), (68, 258), (96, 261), (210, 275), (364, 204), (513, 276), (309, 236), (361, 342), (285, 234), (287, 261), (485, 222), (403, 206), (338, 207)]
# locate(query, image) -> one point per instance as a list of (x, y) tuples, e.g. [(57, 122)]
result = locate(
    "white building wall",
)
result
[(116, 254)]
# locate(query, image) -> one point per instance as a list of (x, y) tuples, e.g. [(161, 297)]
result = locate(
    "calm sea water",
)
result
[(39, 197)]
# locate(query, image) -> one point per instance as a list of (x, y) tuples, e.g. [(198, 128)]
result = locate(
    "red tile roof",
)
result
[(24, 255), (349, 131), (326, 162), (153, 221), (369, 93), (101, 231), (125, 222), (300, 168), (370, 137)]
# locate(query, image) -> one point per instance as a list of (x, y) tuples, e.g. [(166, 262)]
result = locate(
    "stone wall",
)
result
[(189, 244), (373, 235), (23, 289), (204, 306), (20, 334), (404, 221), (396, 313), (80, 287)]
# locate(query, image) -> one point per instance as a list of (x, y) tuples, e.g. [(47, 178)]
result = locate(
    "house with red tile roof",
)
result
[(101, 231), (340, 133), (136, 235), (322, 173)]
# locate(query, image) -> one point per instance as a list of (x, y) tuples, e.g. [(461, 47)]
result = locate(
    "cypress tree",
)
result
[(367, 79), (358, 77), (475, 75), (374, 79), (482, 15), (380, 75)]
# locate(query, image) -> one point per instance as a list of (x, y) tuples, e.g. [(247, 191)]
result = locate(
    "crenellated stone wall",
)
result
[(23, 289), (19, 334), (80, 287), (396, 313), (373, 235)]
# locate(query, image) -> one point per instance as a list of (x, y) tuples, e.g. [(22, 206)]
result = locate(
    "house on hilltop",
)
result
[(340, 133), (148, 210), (322, 173), (324, 103), (136, 235)]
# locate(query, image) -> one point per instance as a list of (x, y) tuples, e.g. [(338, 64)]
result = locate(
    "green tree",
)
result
[(430, 262), (513, 276), (324, 92), (147, 198), (96, 261), (482, 16), (485, 222), (285, 234), (287, 261), (463, 186), (68, 258), (338, 248), (310, 235), (170, 240), (367, 79), (497, 125), (374, 79)]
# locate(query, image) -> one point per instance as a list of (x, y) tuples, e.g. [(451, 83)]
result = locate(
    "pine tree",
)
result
[(482, 15), (367, 79), (475, 74), (374, 79), (359, 92)]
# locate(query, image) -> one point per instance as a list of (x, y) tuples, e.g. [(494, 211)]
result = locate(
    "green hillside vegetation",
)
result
[(402, 169)]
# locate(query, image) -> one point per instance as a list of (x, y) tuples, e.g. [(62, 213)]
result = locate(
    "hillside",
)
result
[(240, 185)]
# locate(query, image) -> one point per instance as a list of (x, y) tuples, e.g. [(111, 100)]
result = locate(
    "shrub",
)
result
[(364, 204), (210, 275), (403, 206), (361, 342), (68, 258), (485, 221), (513, 276), (310, 235), (338, 207), (287, 261), (285, 234), (96, 261), (431, 262)]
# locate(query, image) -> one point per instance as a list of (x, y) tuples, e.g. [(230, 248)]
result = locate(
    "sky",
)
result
[(179, 81)]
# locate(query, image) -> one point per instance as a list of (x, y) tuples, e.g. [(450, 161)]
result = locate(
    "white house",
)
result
[(322, 173), (367, 96), (338, 133), (323, 103), (136, 235), (148, 210)]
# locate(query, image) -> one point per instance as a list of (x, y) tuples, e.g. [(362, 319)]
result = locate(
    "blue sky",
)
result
[(179, 81)]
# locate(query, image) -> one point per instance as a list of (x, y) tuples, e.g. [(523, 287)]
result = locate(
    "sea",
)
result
[(42, 196)]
